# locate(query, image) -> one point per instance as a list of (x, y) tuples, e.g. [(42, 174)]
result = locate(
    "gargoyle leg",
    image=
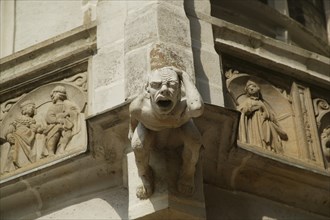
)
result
[(190, 155), (141, 144)]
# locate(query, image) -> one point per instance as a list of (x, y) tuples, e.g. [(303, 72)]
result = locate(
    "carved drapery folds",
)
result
[(262, 123), (322, 114), (274, 122), (43, 126)]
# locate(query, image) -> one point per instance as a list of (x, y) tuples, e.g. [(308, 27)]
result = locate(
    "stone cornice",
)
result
[(43, 61), (270, 53)]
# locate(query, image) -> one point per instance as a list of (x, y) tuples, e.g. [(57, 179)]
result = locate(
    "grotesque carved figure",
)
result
[(158, 116), (258, 125), (62, 122), (325, 141), (21, 136)]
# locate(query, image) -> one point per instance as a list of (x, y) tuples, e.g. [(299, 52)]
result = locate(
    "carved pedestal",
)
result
[(166, 202)]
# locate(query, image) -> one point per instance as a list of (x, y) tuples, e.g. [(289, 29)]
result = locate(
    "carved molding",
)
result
[(308, 139), (79, 80), (321, 109), (61, 56), (6, 106)]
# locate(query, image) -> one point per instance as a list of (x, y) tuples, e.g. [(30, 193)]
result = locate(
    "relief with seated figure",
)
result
[(42, 127)]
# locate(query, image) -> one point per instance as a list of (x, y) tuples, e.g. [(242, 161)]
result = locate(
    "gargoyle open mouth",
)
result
[(164, 103)]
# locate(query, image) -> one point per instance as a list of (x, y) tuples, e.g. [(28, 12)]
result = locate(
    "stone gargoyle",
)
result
[(164, 111)]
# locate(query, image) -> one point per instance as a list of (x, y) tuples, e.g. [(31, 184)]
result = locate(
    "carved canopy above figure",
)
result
[(43, 126), (267, 123), (265, 111)]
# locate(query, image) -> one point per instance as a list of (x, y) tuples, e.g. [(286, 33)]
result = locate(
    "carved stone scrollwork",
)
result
[(79, 80), (44, 125), (322, 114), (6, 106), (260, 116), (162, 117)]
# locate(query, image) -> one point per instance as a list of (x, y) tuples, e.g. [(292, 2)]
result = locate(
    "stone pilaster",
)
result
[(107, 69), (206, 59)]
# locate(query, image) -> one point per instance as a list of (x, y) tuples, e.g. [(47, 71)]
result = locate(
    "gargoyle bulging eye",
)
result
[(172, 84), (155, 85)]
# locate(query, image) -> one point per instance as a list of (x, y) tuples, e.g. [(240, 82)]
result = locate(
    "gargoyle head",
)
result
[(164, 88)]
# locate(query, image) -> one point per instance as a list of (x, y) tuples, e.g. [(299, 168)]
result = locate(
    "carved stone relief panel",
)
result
[(310, 150), (265, 113), (273, 122), (43, 126), (322, 115)]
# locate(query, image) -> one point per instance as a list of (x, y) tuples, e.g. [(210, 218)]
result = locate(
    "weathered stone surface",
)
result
[(42, 63), (60, 192), (110, 204), (43, 20), (202, 6), (208, 75), (278, 56), (109, 96), (141, 28), (162, 30), (107, 71), (111, 22), (162, 55), (251, 207), (140, 61), (206, 59), (178, 34), (136, 68), (108, 63), (7, 27), (201, 33), (166, 202)]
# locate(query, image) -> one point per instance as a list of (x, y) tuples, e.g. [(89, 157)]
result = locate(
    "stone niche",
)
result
[(43, 127), (278, 123)]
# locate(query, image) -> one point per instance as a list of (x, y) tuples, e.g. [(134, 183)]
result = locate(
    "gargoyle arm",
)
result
[(134, 111), (195, 105)]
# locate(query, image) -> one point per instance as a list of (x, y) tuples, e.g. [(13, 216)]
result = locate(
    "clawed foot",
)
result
[(186, 187), (145, 190)]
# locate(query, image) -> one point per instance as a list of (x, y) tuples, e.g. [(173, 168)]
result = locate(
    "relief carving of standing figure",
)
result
[(21, 135), (63, 122), (258, 125), (164, 111)]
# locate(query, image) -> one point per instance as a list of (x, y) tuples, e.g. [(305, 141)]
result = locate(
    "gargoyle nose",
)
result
[(163, 90)]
